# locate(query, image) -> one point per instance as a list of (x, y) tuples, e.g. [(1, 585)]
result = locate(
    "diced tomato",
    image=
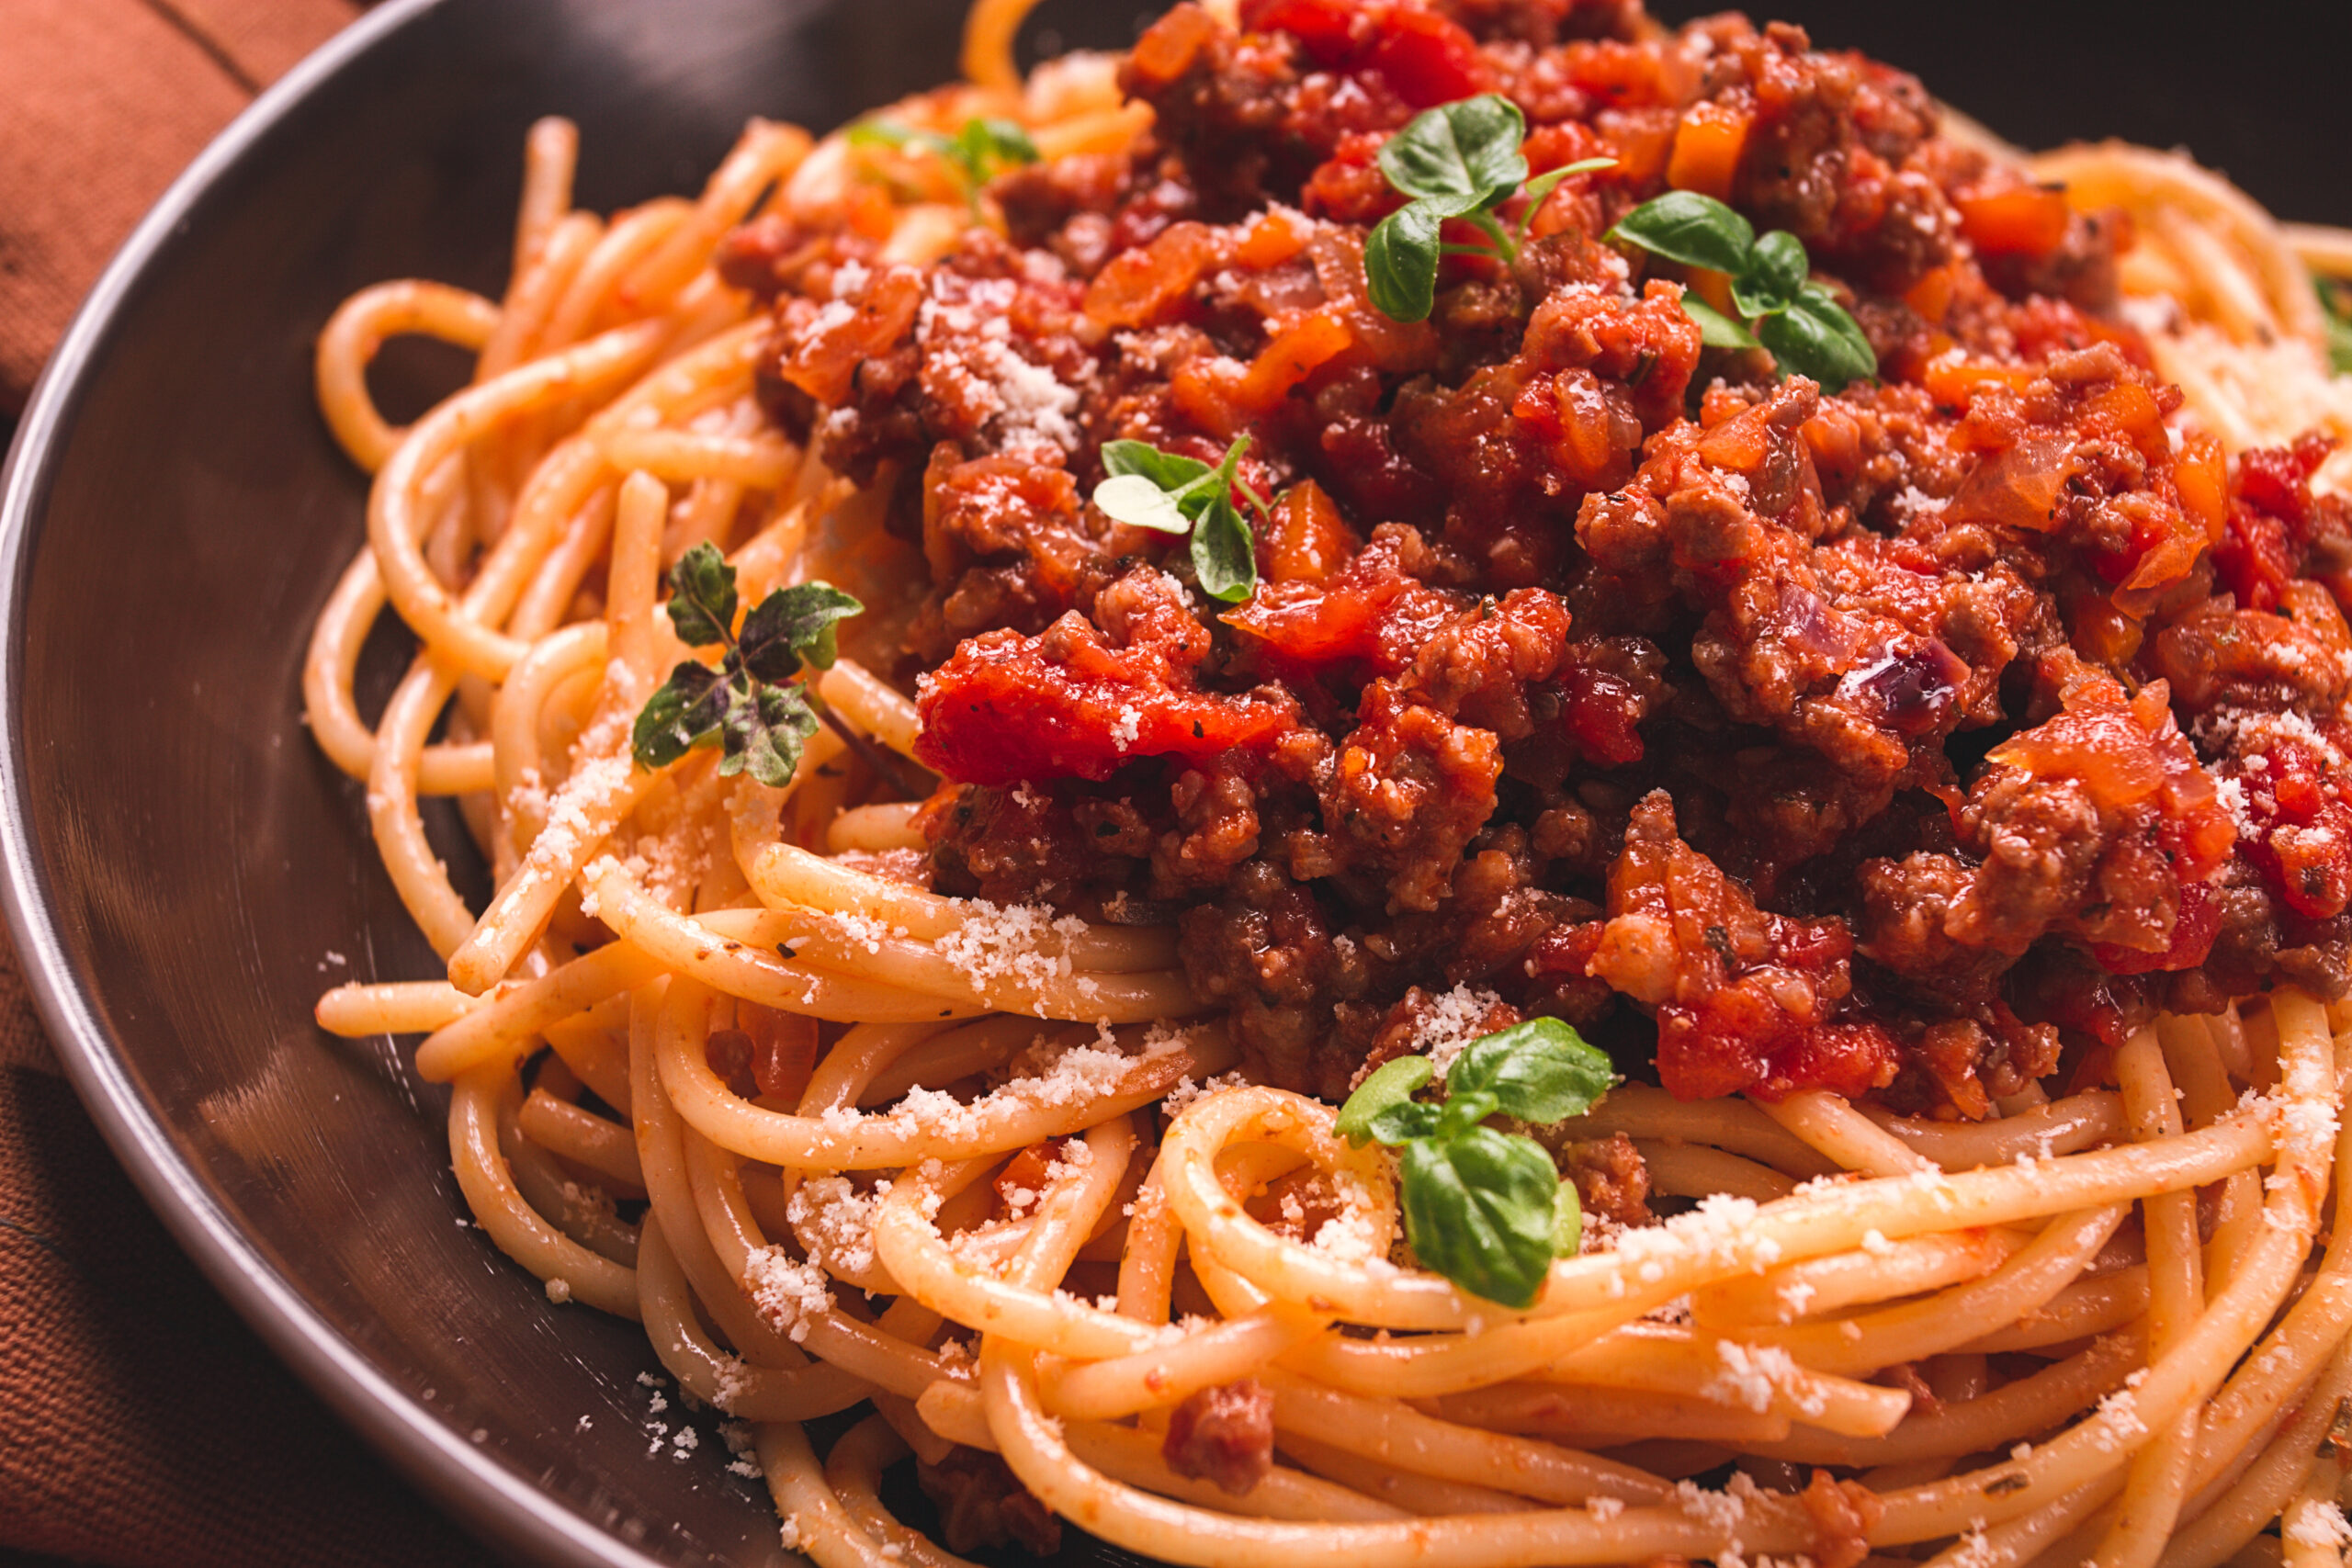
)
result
[(1707, 147), (2193, 930), (1305, 540), (1003, 710), (1427, 58), (2022, 221), (1319, 25)]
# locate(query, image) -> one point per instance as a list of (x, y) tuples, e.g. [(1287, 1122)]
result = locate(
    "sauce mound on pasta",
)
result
[(1181, 734), (1913, 741)]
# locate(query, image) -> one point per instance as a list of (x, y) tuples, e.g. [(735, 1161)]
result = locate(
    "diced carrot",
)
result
[(2103, 634), (2129, 406), (2204, 477), (2022, 219), (1706, 149), (1931, 296), (1139, 285), (1025, 1173), (1954, 382), (871, 212), (1640, 139), (1291, 358), (1835, 440), (1306, 540), (1272, 238), (1167, 46)]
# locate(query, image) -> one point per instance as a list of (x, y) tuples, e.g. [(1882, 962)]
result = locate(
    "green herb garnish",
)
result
[(984, 149), (1174, 494), (2335, 304), (1460, 160), (1486, 1209), (1808, 333), (750, 705)]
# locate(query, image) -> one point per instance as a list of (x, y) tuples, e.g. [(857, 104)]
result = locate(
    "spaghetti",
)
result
[(1036, 1183)]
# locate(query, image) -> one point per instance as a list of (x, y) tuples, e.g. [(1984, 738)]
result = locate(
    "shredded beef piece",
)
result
[(982, 1504), (1224, 1433)]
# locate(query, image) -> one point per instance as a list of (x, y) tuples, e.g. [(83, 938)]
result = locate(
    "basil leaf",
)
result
[(1541, 186), (1568, 1221), (2337, 306), (1541, 1071), (1165, 469), (1715, 329), (793, 625), (1697, 231), (1135, 500), (1482, 1209), (1464, 1111), (880, 132), (1223, 554), (1402, 1121), (682, 714), (1469, 148), (1391, 1083), (987, 144), (763, 730), (1815, 337), (702, 596), (1400, 262), (1776, 271), (1193, 496)]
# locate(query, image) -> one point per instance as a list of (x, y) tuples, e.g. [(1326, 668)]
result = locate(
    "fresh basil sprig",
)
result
[(750, 705), (982, 150), (1486, 1209), (1809, 332), (2335, 305), (1459, 160), (1175, 494)]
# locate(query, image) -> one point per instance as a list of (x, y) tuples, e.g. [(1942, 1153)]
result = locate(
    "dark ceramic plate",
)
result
[(186, 871)]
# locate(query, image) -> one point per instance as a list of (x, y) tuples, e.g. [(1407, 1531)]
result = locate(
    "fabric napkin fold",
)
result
[(142, 1424)]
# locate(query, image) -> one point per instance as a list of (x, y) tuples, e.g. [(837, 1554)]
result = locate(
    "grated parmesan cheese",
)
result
[(787, 1291)]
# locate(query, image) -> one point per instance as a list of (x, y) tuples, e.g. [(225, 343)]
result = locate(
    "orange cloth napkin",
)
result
[(142, 1424)]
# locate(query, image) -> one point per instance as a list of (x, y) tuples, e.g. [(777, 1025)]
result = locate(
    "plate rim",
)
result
[(493, 1503)]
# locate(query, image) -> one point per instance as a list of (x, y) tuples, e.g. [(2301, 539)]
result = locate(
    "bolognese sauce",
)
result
[(1919, 740)]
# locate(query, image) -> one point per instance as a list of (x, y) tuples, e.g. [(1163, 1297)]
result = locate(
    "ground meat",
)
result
[(1611, 1181), (1896, 740), (1224, 1433), (981, 1505), (1264, 952), (1743, 999), (1843, 1514)]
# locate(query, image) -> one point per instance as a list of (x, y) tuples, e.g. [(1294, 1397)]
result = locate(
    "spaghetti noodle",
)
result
[(1037, 1183)]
